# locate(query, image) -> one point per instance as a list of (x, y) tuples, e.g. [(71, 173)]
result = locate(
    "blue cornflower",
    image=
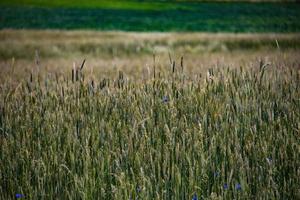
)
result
[(195, 197), (19, 196), (269, 160), (216, 174), (138, 189), (225, 186), (238, 186), (165, 99)]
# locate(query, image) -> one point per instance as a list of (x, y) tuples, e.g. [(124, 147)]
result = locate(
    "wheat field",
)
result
[(180, 120)]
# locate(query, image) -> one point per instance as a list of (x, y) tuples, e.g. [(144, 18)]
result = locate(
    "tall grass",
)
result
[(231, 135)]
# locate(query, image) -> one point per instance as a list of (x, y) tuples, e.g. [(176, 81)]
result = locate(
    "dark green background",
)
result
[(206, 17)]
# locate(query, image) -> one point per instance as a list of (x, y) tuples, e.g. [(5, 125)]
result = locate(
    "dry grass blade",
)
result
[(81, 67)]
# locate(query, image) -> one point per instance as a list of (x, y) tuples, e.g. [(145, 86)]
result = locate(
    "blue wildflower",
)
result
[(195, 197), (238, 186), (269, 160), (216, 174), (165, 99), (19, 196), (138, 189), (225, 186)]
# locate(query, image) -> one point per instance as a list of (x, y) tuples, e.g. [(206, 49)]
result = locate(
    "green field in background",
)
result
[(112, 4), (151, 16), (118, 4)]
